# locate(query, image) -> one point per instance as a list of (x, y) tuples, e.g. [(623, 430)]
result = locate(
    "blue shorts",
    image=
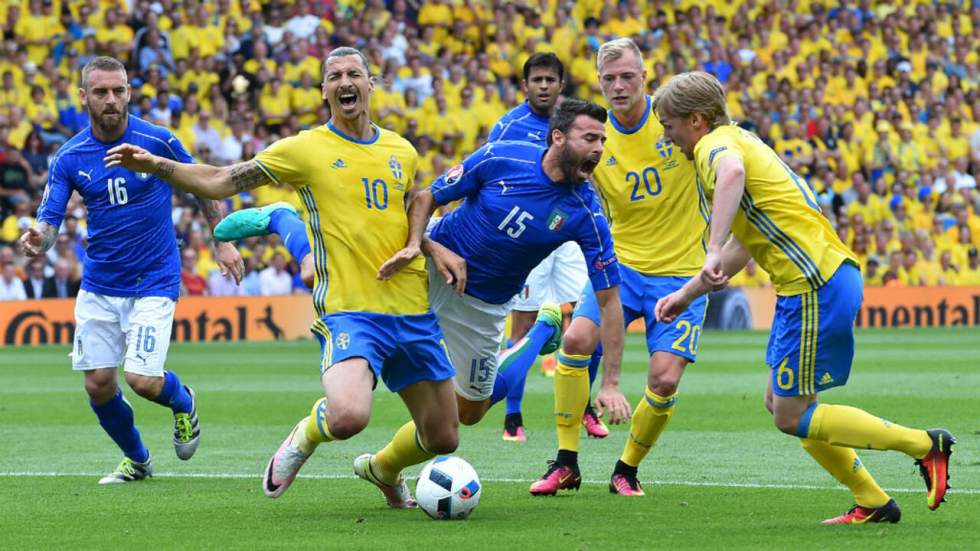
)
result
[(640, 294), (812, 341), (402, 350)]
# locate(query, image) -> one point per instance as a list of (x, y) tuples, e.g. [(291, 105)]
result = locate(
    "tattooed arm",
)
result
[(205, 181), (38, 239), (225, 254)]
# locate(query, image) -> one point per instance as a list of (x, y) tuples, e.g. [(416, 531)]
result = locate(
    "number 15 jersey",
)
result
[(657, 213)]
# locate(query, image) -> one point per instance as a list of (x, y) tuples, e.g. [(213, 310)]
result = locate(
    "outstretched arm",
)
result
[(37, 240), (209, 182), (730, 183), (612, 334), (225, 254)]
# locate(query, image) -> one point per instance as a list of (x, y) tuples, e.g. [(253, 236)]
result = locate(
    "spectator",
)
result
[(11, 287), (63, 284), (191, 283), (35, 282), (275, 280)]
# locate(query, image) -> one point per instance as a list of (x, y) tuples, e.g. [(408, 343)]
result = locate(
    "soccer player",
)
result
[(657, 218), (356, 181), (560, 277), (762, 210), (125, 309)]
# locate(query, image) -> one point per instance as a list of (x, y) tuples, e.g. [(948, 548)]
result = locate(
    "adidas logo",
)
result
[(339, 163), (612, 161), (826, 379)]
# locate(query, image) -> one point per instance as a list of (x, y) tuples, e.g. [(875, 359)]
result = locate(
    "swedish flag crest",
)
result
[(396, 167), (664, 147)]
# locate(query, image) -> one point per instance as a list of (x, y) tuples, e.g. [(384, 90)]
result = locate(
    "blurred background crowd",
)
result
[(876, 105)]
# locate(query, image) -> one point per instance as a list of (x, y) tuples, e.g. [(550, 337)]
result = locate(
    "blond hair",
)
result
[(614, 49), (692, 92)]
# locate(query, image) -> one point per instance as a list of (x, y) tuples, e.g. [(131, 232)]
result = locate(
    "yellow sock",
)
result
[(404, 450), (571, 397), (649, 420), (315, 430), (855, 428), (844, 465)]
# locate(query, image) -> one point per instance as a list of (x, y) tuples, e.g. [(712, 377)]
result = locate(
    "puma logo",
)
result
[(86, 174)]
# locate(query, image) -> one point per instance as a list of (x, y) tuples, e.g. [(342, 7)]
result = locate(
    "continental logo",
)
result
[(197, 319), (943, 311)]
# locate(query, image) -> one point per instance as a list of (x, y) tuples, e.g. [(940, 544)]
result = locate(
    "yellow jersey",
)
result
[(657, 213), (779, 221), (354, 195)]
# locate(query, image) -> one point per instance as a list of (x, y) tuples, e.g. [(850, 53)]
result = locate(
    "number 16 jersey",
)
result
[(657, 211)]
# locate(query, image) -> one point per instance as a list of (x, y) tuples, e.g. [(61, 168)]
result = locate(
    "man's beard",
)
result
[(569, 165), (105, 124)]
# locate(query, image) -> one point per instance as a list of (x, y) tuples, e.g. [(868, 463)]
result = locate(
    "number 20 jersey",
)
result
[(132, 246), (657, 212)]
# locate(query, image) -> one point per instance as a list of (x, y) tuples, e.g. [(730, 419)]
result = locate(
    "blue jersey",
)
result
[(514, 216), (521, 124), (132, 248)]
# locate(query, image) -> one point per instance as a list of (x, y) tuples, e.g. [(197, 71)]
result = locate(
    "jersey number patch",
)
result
[(375, 193), (117, 191), (651, 182), (517, 228)]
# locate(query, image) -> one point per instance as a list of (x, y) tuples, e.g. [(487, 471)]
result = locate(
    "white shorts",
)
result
[(473, 330), (559, 278), (131, 331)]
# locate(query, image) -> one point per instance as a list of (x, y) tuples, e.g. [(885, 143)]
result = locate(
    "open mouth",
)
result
[(347, 100), (589, 165)]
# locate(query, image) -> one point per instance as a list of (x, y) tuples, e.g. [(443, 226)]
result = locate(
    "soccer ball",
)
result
[(448, 489)]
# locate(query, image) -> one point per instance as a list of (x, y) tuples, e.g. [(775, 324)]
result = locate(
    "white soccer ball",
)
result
[(448, 488)]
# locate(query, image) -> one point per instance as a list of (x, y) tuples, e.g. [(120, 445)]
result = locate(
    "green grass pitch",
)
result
[(720, 477)]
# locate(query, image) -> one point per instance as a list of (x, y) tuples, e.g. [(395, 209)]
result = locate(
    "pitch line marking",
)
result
[(749, 485)]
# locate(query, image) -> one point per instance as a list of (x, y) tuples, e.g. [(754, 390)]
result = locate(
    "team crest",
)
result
[(454, 174), (396, 167), (556, 220), (142, 175), (343, 341), (664, 147)]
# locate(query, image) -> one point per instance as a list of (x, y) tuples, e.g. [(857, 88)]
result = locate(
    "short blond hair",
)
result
[(692, 92), (614, 49)]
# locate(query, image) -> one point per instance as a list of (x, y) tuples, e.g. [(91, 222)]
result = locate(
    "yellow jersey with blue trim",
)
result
[(779, 221), (354, 194), (657, 214)]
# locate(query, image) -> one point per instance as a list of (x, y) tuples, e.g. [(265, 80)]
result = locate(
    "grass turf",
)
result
[(720, 476)]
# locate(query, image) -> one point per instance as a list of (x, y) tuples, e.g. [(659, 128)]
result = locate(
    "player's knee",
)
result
[(147, 387), (100, 390), (345, 424), (578, 342), (665, 374), (470, 413), (442, 441), (786, 423)]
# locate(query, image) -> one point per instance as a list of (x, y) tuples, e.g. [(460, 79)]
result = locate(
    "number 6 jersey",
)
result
[(657, 212), (514, 216), (132, 247)]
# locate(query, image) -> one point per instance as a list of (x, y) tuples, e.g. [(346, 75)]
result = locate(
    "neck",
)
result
[(359, 127), (112, 136), (541, 113), (550, 165), (632, 116)]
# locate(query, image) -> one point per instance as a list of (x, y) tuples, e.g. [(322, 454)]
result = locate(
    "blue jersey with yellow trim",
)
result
[(521, 124), (354, 195), (657, 213), (779, 220), (132, 246), (514, 216)]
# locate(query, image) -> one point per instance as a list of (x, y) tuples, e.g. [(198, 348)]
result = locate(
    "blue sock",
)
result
[(174, 395), (292, 230), (514, 364), (116, 418), (594, 364)]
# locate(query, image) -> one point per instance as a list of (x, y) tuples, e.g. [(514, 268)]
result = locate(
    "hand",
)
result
[(397, 262), (671, 306), (229, 260), (611, 399), (133, 157), (450, 265), (711, 272), (32, 242)]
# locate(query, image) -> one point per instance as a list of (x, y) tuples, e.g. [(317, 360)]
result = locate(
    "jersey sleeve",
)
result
[(56, 194), (176, 150), (716, 147), (284, 162), (464, 179), (596, 243), (496, 132)]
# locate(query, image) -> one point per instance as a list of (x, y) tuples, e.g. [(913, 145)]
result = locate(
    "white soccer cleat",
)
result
[(187, 430), (397, 496), (129, 471), (284, 465)]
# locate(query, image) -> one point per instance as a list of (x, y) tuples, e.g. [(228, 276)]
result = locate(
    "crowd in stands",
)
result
[(874, 104)]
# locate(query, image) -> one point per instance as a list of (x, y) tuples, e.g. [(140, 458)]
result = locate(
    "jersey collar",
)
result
[(369, 141), (639, 125)]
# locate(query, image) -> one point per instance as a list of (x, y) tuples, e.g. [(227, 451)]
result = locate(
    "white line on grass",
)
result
[(49, 474)]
